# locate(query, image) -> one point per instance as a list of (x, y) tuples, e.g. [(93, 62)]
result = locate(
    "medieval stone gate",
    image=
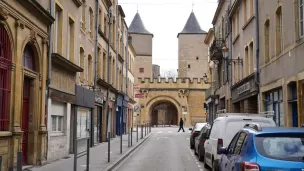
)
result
[(185, 95)]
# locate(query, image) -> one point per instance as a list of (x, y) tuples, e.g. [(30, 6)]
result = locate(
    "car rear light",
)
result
[(195, 134), (219, 145), (246, 166)]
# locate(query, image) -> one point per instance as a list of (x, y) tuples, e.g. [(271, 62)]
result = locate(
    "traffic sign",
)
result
[(136, 108)]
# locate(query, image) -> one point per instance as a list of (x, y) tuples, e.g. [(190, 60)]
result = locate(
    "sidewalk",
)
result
[(98, 156)]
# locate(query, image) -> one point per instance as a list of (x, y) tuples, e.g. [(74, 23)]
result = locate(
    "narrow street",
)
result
[(167, 150)]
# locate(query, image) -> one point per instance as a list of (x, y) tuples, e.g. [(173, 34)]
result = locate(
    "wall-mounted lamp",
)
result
[(225, 52)]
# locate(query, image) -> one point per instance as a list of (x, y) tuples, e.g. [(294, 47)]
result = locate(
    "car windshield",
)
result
[(199, 126), (290, 148)]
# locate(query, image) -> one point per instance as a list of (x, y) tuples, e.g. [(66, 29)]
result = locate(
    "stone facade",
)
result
[(281, 61), (24, 46)]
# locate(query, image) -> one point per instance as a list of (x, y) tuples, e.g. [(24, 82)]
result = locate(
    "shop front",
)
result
[(119, 102), (273, 101), (98, 119), (125, 114), (245, 96), (84, 109)]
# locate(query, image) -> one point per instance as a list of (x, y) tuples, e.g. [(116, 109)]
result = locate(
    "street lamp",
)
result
[(225, 52)]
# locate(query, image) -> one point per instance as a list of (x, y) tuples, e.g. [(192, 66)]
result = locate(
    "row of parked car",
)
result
[(248, 142)]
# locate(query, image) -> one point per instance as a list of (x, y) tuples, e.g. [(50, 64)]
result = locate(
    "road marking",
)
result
[(160, 132), (169, 131), (162, 137), (188, 138), (110, 152), (199, 166), (197, 163)]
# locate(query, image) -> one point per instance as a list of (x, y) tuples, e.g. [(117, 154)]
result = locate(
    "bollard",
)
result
[(150, 126), (136, 132), (88, 155), (131, 135), (19, 161), (142, 131)]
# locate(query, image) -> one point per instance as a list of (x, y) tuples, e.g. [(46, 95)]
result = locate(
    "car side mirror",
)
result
[(223, 150), (190, 129)]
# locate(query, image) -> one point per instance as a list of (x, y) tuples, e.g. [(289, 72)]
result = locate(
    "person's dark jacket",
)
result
[(181, 123)]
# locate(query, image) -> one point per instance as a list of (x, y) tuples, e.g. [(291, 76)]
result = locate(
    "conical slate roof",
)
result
[(192, 26), (137, 26)]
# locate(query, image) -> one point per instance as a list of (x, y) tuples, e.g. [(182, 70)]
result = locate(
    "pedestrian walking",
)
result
[(181, 125)]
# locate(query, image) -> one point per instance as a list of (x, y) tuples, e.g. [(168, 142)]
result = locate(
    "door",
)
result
[(235, 157), (99, 124), (25, 118), (294, 114), (225, 164)]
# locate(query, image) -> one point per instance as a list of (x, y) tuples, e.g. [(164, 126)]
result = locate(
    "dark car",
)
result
[(194, 132), (199, 148)]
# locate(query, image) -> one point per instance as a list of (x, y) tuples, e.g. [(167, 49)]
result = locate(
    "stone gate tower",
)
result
[(192, 51), (142, 43)]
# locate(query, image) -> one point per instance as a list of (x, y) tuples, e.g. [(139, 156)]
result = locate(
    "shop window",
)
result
[(274, 102), (293, 103)]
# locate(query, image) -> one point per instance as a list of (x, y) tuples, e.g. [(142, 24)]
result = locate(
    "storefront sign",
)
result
[(138, 96), (98, 97), (243, 88)]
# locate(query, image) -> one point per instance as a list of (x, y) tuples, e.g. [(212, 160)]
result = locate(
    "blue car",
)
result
[(255, 148)]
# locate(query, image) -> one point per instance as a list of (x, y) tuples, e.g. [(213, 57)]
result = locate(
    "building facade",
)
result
[(23, 71), (245, 85), (281, 64), (219, 96)]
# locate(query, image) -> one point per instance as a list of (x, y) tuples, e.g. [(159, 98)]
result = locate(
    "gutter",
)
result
[(96, 45), (257, 53), (49, 76)]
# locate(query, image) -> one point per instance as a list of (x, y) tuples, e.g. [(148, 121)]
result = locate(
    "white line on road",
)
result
[(169, 131), (162, 137), (188, 138)]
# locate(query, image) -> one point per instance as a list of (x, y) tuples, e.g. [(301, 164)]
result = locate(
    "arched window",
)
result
[(81, 55), (5, 89), (90, 69), (28, 57)]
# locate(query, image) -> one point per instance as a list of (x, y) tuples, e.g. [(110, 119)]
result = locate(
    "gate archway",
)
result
[(163, 113)]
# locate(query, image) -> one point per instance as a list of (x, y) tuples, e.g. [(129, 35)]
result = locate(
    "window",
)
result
[(274, 102), (266, 41), (251, 63), (239, 143), (246, 67), (104, 63), (5, 75), (70, 46), (100, 18), (28, 57), (57, 115), (251, 8), (105, 23), (113, 72), (58, 30), (245, 11), (189, 66), (99, 62), (90, 70), (232, 143), (301, 16), (81, 55), (141, 70), (91, 27), (279, 31), (238, 21), (83, 17), (57, 122)]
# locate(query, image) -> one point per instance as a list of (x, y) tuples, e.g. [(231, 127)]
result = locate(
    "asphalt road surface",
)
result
[(165, 150)]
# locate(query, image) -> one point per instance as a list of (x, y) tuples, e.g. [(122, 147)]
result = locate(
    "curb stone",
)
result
[(125, 155)]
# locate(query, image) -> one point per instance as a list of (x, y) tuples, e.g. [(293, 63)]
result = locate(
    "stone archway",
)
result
[(163, 113), (155, 103)]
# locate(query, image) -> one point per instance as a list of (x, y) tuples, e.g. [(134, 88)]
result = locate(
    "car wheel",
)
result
[(191, 146), (200, 157), (205, 164), (214, 166)]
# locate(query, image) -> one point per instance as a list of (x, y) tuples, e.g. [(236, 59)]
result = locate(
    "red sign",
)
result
[(138, 96)]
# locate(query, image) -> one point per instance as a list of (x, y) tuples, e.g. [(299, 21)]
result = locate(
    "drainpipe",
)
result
[(108, 80), (49, 73), (95, 69), (230, 46), (127, 64), (257, 52), (116, 30)]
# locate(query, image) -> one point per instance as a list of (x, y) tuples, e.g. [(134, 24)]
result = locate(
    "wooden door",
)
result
[(25, 118)]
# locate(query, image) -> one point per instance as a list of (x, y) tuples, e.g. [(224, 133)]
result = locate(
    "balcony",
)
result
[(216, 49)]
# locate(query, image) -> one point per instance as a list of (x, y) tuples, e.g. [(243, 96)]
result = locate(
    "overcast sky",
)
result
[(165, 19)]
